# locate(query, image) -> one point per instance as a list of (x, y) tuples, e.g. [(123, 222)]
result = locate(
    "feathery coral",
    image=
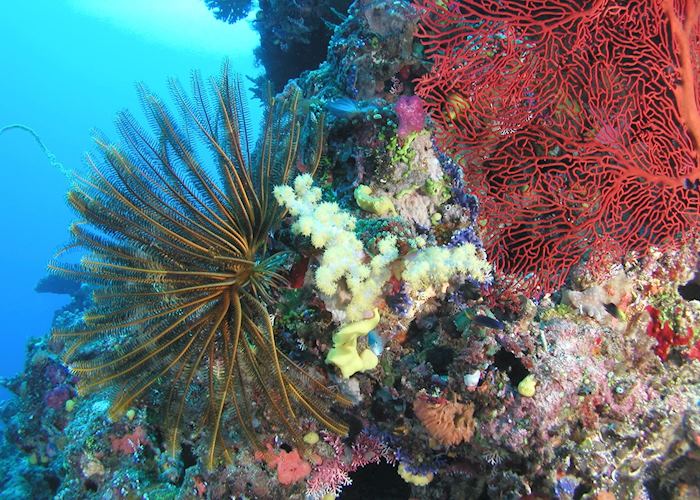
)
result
[(182, 270), (448, 422)]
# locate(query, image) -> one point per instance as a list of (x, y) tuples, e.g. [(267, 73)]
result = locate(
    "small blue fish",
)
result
[(375, 342), (488, 322), (688, 184), (346, 107)]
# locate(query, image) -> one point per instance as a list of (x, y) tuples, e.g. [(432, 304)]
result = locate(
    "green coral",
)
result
[(378, 205), (401, 153), (439, 189)]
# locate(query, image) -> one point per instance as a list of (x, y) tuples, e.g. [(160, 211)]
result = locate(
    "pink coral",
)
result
[(334, 473), (411, 114), (291, 468), (129, 443)]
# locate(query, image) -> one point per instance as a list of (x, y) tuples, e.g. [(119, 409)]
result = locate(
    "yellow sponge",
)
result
[(344, 353), (417, 479), (380, 205)]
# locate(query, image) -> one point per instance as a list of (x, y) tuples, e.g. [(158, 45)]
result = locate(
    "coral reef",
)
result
[(229, 11), (424, 373)]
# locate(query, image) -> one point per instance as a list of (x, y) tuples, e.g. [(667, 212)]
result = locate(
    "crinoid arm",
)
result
[(176, 250)]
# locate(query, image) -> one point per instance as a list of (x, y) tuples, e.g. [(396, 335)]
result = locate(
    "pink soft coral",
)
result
[(129, 443), (411, 114), (333, 473)]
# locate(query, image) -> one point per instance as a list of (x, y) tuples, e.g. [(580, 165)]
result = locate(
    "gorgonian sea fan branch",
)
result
[(576, 122), (181, 270)]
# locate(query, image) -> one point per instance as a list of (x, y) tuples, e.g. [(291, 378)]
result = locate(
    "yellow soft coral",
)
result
[(344, 257), (344, 353), (435, 266)]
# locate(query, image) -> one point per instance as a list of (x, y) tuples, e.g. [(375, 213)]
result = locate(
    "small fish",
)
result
[(488, 322), (298, 272), (375, 342), (688, 184), (346, 107), (615, 311)]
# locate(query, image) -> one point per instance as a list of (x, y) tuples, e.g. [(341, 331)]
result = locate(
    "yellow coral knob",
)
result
[(527, 386), (311, 438)]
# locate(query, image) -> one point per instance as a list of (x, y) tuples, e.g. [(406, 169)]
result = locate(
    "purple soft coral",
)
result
[(411, 114)]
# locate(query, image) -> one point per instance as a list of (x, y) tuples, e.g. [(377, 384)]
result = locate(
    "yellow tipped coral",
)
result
[(379, 205), (344, 353)]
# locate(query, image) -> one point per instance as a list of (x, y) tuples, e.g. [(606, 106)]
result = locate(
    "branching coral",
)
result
[(182, 272), (577, 123)]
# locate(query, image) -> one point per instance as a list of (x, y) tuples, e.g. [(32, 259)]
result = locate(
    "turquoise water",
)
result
[(68, 66)]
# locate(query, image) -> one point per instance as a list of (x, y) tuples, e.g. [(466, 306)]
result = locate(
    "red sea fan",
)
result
[(576, 122)]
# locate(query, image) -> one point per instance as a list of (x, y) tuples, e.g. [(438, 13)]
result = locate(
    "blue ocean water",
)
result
[(67, 67)]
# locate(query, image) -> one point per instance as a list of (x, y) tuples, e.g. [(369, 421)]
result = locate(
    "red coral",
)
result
[(694, 351), (664, 334), (129, 443), (291, 468), (576, 120)]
